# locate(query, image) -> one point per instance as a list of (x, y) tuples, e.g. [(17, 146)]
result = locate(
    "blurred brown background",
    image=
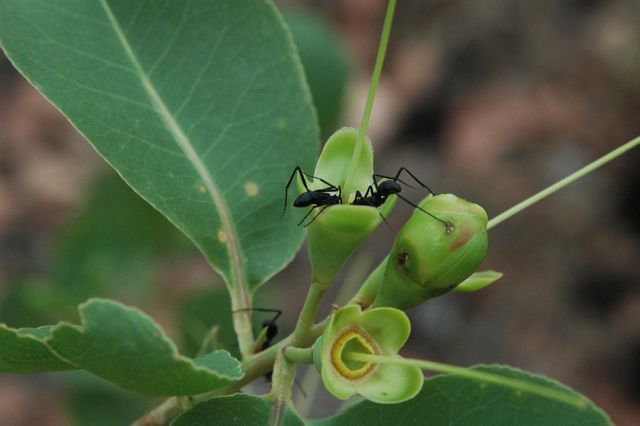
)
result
[(490, 100)]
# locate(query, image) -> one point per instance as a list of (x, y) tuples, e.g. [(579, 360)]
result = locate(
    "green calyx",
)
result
[(339, 229), (381, 331), (433, 254)]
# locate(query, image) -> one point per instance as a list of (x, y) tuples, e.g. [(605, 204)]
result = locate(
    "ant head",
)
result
[(389, 187)]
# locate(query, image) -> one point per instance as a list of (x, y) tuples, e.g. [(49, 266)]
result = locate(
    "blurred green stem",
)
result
[(373, 88), (562, 183)]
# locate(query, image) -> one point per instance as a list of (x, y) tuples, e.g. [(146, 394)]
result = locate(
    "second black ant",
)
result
[(378, 193), (267, 335)]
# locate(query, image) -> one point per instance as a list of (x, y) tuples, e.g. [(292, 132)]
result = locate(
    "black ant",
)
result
[(377, 194), (269, 329), (322, 197), (267, 335)]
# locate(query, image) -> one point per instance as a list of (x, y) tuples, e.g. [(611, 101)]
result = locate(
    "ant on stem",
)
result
[(267, 335), (269, 329)]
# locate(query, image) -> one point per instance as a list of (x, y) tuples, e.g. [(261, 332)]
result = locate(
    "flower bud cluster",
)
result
[(438, 248)]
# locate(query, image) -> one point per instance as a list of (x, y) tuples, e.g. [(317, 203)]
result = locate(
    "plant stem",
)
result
[(482, 376), (299, 355), (284, 373), (285, 369), (373, 87), (562, 183), (311, 380), (241, 313), (309, 309)]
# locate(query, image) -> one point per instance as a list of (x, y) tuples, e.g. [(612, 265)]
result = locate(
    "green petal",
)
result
[(391, 384), (334, 383), (478, 281), (390, 328), (335, 162), (344, 317), (339, 320)]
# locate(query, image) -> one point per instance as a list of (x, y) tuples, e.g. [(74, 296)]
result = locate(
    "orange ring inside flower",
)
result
[(353, 340)]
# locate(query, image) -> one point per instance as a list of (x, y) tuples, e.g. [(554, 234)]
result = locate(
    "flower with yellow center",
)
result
[(380, 331)]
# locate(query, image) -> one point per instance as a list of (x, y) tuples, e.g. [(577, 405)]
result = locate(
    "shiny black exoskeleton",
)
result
[(267, 334), (377, 194), (322, 197), (270, 326)]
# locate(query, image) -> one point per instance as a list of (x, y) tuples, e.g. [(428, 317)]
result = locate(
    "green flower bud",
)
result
[(432, 255), (381, 331), (339, 229)]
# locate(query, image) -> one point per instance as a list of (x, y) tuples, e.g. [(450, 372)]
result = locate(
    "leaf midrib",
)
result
[(238, 279)]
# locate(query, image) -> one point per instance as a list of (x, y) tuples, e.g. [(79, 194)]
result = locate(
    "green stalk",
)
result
[(562, 183), (284, 373), (299, 355), (373, 87), (309, 309), (481, 376)]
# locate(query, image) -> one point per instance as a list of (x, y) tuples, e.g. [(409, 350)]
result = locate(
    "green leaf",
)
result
[(450, 400), (200, 106), (126, 347), (241, 410), (325, 66), (478, 281), (92, 401), (23, 351)]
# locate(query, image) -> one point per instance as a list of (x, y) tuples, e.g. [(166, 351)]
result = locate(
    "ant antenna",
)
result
[(448, 225), (404, 169), (396, 179)]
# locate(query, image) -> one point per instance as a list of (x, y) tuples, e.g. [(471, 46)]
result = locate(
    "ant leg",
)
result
[(401, 169), (307, 215), (300, 387), (323, 181), (278, 312), (286, 189), (324, 208), (370, 204), (358, 197), (369, 192), (396, 179), (445, 223), (314, 218), (328, 189)]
